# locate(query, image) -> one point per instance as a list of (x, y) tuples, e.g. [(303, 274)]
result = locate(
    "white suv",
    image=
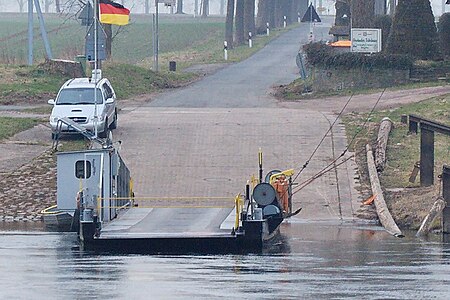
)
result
[(75, 101)]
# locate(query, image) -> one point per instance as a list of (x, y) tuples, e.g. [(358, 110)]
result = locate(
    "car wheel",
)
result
[(114, 123), (104, 133)]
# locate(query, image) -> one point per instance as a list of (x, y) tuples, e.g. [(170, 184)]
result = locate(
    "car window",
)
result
[(78, 96), (109, 93)]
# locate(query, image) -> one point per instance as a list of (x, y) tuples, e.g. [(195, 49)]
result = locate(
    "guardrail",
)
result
[(427, 129)]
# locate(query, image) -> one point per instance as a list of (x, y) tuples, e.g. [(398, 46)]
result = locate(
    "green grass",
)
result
[(11, 126), (132, 43), (295, 90), (129, 80), (403, 149), (25, 85)]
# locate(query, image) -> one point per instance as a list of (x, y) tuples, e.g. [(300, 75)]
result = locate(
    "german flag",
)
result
[(113, 13)]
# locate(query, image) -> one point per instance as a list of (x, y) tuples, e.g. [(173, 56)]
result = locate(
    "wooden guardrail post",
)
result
[(412, 126), (446, 196), (426, 156)]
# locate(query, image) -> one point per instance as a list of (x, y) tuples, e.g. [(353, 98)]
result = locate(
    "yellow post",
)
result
[(238, 211), (260, 165)]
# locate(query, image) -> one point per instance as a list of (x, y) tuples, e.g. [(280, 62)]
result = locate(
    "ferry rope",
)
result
[(333, 164)]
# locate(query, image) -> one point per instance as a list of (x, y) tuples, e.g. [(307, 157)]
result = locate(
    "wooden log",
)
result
[(382, 140), (382, 211), (435, 210)]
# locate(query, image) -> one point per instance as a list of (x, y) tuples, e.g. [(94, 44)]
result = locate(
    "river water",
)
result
[(309, 261)]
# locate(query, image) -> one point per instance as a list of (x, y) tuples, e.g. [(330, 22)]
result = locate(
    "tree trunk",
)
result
[(58, 6), (278, 13), (222, 7), (179, 6), (229, 24), (108, 43), (382, 211), (147, 7), (263, 16), (271, 11), (363, 13), (436, 210), (382, 140), (47, 6), (249, 17), (21, 4), (205, 11), (392, 7), (239, 22)]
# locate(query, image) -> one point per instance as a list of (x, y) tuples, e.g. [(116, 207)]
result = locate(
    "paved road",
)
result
[(203, 140), (249, 83)]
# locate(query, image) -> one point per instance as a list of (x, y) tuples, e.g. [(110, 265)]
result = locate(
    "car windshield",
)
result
[(78, 96)]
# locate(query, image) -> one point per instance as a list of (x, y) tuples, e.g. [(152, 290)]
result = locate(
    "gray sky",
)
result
[(137, 6)]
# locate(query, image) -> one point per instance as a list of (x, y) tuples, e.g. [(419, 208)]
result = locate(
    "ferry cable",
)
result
[(333, 149), (333, 164), (323, 138)]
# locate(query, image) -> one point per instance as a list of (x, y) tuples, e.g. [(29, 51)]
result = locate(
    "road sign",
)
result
[(101, 44), (86, 15), (366, 40)]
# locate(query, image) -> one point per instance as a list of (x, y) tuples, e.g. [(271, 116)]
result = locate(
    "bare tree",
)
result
[(21, 4), (222, 7), (239, 22), (263, 16), (229, 23), (205, 11), (179, 6), (249, 17), (147, 7), (47, 4)]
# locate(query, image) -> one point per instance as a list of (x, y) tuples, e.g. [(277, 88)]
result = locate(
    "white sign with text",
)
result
[(366, 40)]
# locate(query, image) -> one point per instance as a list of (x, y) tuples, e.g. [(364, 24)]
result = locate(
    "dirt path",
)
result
[(389, 99)]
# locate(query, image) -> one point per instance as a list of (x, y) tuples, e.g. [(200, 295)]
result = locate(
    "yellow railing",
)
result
[(176, 202)]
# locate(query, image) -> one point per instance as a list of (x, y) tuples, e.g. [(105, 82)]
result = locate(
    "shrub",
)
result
[(322, 55), (444, 33), (384, 22), (414, 31)]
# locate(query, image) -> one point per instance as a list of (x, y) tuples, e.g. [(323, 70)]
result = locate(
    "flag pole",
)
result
[(95, 66)]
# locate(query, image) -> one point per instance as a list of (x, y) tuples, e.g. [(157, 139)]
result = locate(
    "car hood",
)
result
[(85, 110)]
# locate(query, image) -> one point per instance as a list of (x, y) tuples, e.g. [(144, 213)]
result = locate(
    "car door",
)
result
[(108, 107)]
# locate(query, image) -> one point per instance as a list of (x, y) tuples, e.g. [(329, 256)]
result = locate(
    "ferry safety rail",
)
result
[(175, 202)]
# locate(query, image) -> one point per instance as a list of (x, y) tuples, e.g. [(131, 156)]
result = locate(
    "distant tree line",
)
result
[(240, 17)]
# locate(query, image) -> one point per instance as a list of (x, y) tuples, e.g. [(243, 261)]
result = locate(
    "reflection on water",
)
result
[(319, 261)]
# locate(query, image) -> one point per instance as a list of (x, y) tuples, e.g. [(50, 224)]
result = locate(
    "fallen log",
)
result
[(437, 208), (382, 211), (382, 140)]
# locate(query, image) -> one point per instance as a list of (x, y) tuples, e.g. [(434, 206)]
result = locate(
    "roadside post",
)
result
[(225, 50), (267, 29), (446, 196), (250, 43), (284, 22)]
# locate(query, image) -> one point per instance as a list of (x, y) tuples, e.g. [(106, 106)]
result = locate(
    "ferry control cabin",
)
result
[(97, 180)]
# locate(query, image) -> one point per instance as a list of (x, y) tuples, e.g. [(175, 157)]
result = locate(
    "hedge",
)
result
[(322, 55)]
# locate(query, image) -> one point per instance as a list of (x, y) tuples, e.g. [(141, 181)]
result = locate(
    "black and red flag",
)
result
[(113, 13)]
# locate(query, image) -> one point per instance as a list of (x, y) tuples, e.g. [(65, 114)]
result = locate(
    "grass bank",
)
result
[(10, 126), (408, 202)]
